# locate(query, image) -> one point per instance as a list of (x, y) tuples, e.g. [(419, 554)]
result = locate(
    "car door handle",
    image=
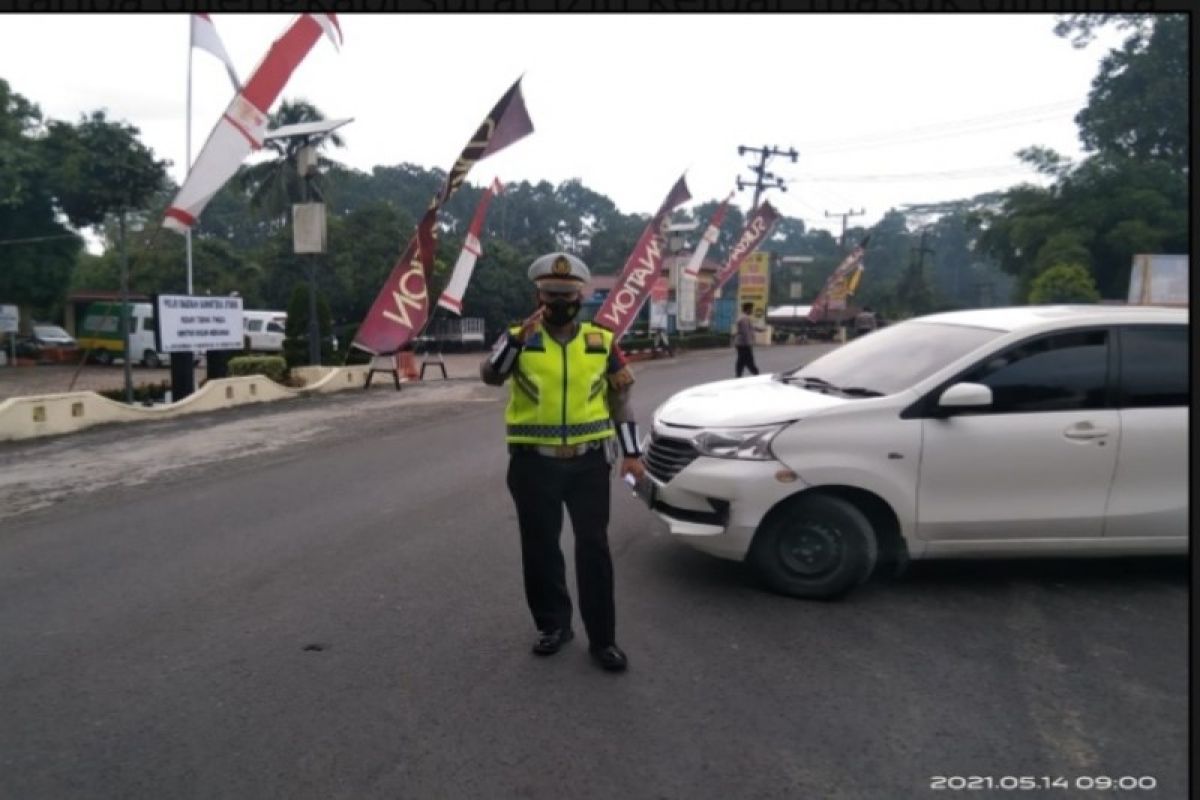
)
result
[(1084, 431)]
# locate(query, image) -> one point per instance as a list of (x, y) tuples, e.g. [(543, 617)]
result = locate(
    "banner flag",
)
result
[(755, 231), (692, 270), (642, 269), (401, 309), (242, 127), (204, 36), (452, 295), (843, 281)]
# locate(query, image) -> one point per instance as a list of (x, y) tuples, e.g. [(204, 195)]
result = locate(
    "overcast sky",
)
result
[(883, 109)]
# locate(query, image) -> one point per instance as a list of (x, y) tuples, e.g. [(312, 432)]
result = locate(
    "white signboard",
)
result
[(190, 324), (8, 319), (1159, 280)]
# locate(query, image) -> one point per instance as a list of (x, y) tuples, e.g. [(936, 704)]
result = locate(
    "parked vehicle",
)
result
[(264, 330), (101, 334), (1032, 431), (47, 344)]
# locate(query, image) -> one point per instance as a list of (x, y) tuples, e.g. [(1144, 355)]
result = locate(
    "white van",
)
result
[(101, 334), (264, 330), (1028, 431)]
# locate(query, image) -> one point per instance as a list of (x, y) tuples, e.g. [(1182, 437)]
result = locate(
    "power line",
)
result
[(39, 238), (970, 172), (951, 128)]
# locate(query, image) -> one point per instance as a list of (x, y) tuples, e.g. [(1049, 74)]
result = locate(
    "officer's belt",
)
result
[(556, 450)]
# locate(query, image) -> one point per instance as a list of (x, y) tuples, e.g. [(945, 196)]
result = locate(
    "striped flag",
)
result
[(242, 127), (204, 36), (452, 295)]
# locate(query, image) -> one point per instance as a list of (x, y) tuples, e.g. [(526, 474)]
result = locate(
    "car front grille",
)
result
[(666, 457)]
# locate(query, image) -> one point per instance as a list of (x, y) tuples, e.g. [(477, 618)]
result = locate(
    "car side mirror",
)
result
[(965, 396)]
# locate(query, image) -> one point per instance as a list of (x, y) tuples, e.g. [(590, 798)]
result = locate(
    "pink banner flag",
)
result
[(452, 295), (242, 127), (755, 231), (841, 282), (401, 309), (204, 36), (643, 267)]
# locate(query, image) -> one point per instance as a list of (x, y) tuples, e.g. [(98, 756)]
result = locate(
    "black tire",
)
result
[(104, 358), (818, 547), (151, 360)]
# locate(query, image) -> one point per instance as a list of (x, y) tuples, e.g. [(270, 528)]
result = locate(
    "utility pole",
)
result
[(917, 274), (846, 215), (764, 179)]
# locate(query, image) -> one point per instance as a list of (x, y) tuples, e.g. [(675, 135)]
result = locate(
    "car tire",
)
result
[(817, 547), (151, 360), (104, 358)]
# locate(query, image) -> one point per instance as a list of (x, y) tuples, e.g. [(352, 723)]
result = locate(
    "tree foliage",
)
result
[(1064, 283)]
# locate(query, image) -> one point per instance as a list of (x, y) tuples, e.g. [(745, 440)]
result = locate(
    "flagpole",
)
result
[(188, 152)]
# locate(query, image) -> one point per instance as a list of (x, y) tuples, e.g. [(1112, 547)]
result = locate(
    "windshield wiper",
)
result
[(806, 379), (860, 391)]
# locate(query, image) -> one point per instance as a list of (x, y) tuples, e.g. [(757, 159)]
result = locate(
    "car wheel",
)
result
[(104, 357), (151, 360), (818, 547)]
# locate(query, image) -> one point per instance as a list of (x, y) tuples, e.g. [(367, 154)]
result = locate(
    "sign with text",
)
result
[(188, 324), (8, 319)]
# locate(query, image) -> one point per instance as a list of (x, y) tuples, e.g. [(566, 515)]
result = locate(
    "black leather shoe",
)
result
[(549, 642), (610, 658)]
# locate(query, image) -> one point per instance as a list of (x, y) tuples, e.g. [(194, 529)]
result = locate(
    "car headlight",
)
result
[(748, 443)]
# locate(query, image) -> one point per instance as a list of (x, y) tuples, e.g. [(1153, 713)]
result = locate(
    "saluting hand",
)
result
[(530, 324)]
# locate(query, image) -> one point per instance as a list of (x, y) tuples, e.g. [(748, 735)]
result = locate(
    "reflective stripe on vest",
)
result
[(553, 398)]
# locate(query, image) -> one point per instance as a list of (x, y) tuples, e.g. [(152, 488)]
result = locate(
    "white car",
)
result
[(1028, 431)]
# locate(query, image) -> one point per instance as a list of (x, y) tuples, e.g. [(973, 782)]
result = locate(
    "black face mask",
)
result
[(561, 312)]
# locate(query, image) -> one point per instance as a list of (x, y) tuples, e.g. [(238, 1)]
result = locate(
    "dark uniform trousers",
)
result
[(540, 487)]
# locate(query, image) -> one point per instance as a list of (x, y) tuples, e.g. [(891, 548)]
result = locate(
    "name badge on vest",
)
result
[(593, 342)]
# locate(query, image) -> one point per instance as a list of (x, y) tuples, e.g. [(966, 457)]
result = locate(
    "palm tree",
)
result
[(273, 186)]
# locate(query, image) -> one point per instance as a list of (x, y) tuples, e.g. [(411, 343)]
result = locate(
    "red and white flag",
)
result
[(204, 36), (242, 127), (692, 270), (452, 295)]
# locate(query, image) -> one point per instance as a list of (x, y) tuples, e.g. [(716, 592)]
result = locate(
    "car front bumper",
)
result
[(716, 504)]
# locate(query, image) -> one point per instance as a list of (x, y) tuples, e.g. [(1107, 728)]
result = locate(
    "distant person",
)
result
[(661, 343), (743, 340)]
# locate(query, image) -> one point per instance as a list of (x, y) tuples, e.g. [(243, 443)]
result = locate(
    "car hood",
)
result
[(743, 402)]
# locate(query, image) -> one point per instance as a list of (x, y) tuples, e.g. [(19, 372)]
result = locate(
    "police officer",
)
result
[(568, 401)]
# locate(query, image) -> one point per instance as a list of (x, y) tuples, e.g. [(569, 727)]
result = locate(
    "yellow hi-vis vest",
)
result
[(557, 395)]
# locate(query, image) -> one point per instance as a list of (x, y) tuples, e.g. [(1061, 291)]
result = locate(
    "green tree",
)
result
[(1064, 283), (274, 185), (37, 252)]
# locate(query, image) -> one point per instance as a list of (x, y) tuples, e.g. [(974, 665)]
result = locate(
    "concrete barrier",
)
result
[(52, 414)]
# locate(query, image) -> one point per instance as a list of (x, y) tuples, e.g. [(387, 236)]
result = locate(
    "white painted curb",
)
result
[(52, 414)]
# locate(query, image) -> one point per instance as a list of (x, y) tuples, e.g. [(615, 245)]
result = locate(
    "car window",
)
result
[(147, 324), (254, 325), (274, 327), (1154, 366), (1060, 372), (50, 332), (896, 357)]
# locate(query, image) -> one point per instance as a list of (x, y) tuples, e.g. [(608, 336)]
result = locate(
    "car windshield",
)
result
[(50, 332), (894, 358)]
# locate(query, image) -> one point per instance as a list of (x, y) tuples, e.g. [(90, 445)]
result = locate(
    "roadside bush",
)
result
[(274, 367), (144, 393)]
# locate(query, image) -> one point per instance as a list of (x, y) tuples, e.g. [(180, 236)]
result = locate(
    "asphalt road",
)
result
[(322, 598)]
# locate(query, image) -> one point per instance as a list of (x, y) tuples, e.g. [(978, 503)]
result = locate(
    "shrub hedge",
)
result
[(274, 367)]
